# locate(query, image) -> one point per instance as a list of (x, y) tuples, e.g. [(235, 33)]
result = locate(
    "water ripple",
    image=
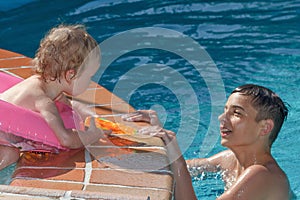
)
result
[(250, 42)]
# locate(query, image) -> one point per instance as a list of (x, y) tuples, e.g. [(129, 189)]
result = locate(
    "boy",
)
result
[(252, 119), (65, 62)]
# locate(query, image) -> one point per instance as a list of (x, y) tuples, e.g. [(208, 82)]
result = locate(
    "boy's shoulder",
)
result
[(269, 179), (260, 182)]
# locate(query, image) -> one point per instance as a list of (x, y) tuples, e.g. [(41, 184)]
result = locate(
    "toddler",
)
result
[(65, 62)]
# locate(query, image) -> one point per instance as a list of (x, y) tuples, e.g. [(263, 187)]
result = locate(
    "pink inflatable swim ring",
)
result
[(31, 125)]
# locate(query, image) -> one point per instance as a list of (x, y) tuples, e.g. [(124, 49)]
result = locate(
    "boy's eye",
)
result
[(236, 112)]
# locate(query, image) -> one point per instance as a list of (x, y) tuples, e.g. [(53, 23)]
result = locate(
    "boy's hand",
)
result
[(149, 116)]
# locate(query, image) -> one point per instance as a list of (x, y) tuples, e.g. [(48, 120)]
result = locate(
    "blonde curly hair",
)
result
[(65, 47)]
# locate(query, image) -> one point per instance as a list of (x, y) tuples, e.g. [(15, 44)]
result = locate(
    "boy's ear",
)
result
[(70, 74), (267, 126)]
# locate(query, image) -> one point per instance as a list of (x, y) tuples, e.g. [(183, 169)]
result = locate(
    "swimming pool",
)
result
[(255, 42)]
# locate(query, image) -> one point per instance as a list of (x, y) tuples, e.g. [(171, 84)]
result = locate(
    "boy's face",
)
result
[(238, 127)]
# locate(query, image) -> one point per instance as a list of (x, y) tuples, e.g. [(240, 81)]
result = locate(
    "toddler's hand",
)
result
[(93, 133), (81, 108)]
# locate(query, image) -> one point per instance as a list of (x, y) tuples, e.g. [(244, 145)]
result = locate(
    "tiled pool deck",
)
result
[(119, 167)]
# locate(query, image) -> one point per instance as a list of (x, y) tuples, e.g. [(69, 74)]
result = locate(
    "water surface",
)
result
[(250, 42)]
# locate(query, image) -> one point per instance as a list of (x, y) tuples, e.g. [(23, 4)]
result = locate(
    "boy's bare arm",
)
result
[(214, 163), (183, 182)]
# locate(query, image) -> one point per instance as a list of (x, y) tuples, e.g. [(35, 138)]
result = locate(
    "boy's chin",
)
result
[(225, 143)]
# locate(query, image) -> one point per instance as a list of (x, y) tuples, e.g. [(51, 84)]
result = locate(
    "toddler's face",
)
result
[(83, 79)]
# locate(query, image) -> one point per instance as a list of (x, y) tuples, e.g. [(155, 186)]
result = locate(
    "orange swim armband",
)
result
[(113, 126)]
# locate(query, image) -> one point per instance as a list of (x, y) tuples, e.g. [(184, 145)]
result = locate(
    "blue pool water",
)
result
[(253, 42)]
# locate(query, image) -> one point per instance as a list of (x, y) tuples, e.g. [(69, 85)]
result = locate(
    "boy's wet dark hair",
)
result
[(268, 104)]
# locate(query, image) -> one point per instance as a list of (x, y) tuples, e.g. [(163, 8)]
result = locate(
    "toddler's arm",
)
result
[(81, 108), (67, 137)]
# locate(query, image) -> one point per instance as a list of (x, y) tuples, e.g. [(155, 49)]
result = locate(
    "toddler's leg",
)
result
[(8, 156)]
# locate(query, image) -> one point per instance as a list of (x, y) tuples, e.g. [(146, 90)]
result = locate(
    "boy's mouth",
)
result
[(225, 131)]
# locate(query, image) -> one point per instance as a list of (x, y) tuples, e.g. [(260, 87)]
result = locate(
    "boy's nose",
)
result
[(222, 117)]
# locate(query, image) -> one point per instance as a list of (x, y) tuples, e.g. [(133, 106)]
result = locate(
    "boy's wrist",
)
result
[(179, 162)]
